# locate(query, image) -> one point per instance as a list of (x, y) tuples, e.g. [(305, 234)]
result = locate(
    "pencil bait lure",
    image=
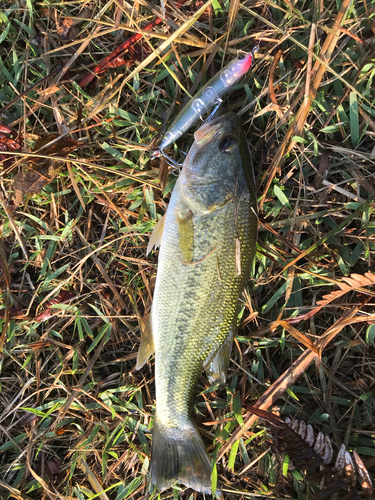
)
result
[(208, 97)]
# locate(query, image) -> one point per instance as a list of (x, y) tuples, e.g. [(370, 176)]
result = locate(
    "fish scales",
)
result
[(212, 207), (202, 304)]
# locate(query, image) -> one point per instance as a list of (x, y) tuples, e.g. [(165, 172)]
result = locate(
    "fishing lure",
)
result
[(209, 96)]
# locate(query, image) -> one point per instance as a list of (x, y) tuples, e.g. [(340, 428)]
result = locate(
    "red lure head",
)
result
[(236, 69), (244, 62)]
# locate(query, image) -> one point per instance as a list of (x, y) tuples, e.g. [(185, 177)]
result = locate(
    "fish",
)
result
[(209, 95), (207, 245)]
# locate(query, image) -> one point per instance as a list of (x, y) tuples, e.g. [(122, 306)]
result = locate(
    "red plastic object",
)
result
[(108, 61)]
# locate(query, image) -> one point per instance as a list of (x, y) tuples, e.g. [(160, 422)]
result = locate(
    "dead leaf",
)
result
[(119, 61), (271, 87), (9, 141), (52, 468), (64, 27), (31, 181), (63, 297), (298, 335), (322, 168), (50, 90), (38, 172), (348, 284), (14, 312), (61, 147)]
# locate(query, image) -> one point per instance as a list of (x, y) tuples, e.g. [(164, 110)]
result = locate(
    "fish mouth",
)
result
[(208, 131)]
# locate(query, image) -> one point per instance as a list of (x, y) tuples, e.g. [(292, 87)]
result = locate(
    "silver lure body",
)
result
[(206, 98)]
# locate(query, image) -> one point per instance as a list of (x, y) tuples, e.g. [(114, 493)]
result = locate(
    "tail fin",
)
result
[(179, 455)]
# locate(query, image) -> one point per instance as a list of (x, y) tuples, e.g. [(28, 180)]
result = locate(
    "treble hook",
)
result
[(170, 161), (218, 103)]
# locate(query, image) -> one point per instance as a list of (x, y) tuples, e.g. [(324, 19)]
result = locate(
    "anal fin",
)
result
[(147, 347), (216, 368), (156, 235)]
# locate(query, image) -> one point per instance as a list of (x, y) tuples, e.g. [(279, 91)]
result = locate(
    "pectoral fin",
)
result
[(216, 368), (156, 235), (147, 347), (186, 236)]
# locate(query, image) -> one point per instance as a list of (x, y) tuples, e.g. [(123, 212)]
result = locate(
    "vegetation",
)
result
[(76, 216)]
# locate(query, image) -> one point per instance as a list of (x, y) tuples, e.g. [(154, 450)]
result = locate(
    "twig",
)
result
[(310, 59), (345, 192), (92, 479), (27, 91), (14, 492)]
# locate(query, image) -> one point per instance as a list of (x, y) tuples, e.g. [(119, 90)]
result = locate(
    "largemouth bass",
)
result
[(207, 249)]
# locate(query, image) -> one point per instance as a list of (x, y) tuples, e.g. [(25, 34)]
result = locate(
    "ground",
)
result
[(76, 218)]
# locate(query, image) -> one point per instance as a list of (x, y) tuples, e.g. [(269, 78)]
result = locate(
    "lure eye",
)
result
[(241, 56), (227, 145)]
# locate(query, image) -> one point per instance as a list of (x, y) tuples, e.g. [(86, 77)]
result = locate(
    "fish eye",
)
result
[(241, 56), (227, 144)]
